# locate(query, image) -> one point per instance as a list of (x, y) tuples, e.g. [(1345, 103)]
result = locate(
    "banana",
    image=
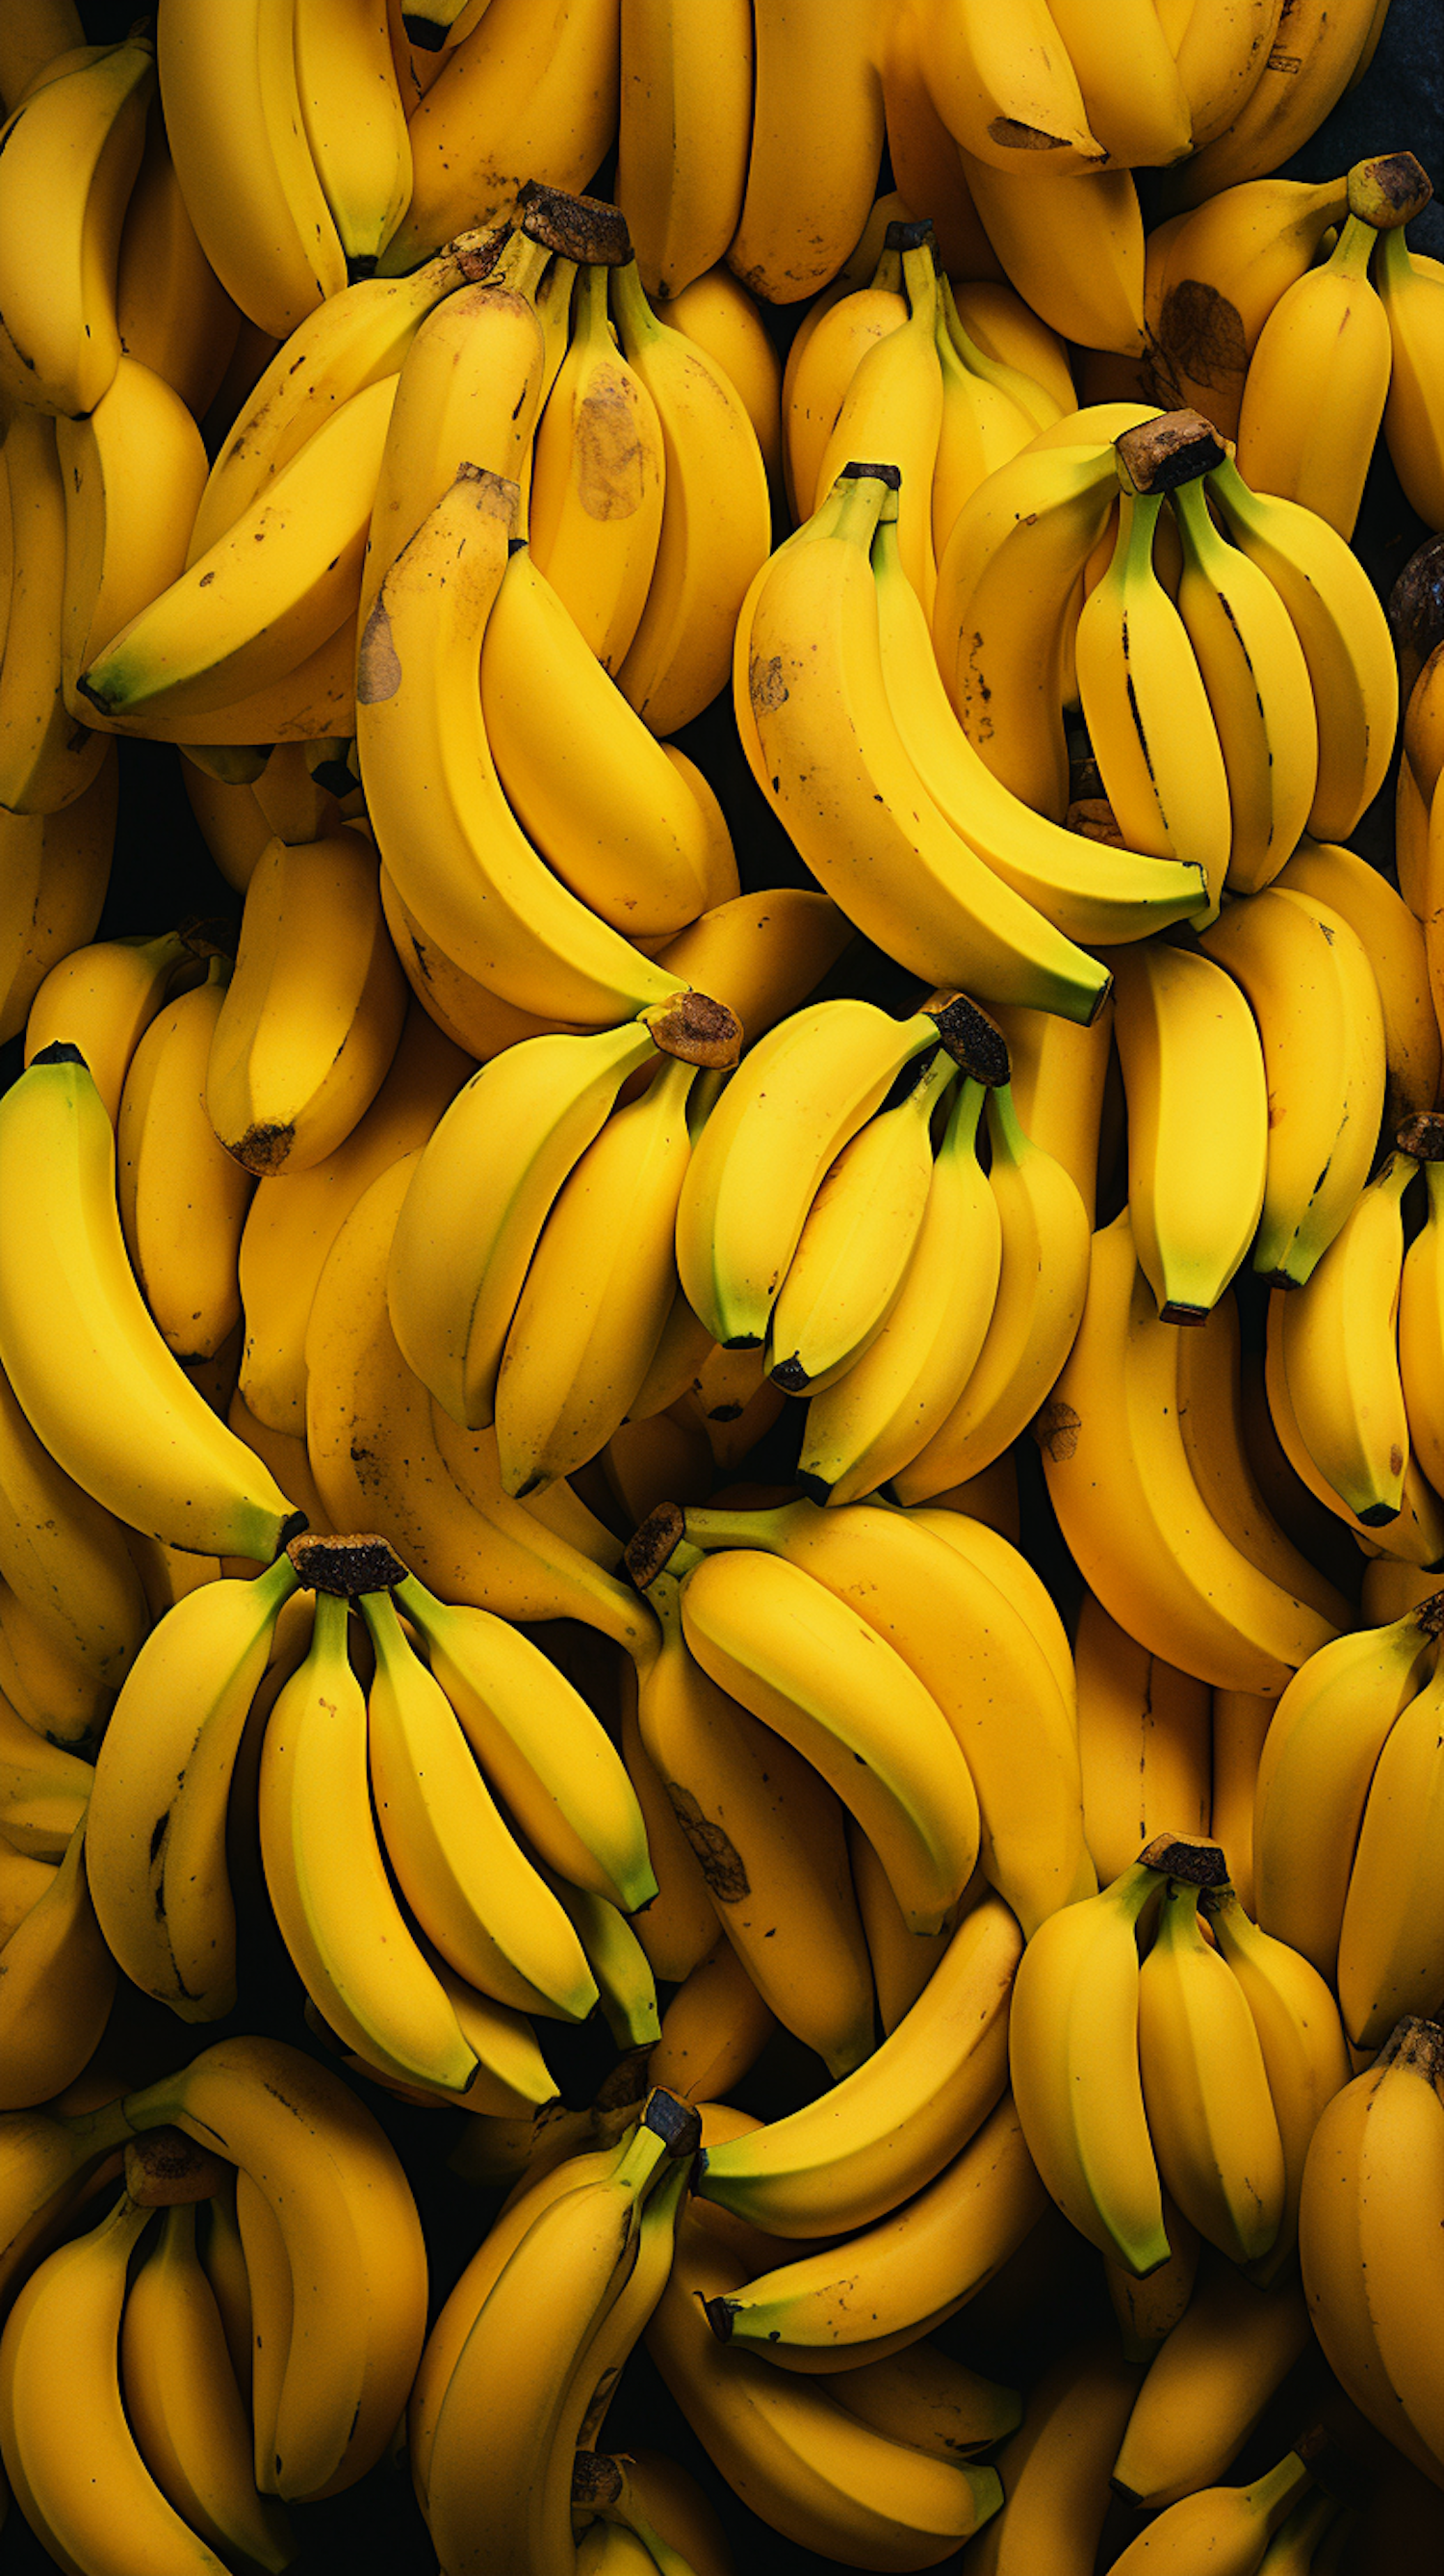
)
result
[(767, 1832), (1230, 2527), (1135, 97), (1300, 2035), (1003, 99), (295, 1061), (57, 1984), (817, 139), (468, 1884), (893, 412), (1143, 1743), (372, 1435), (1198, 1122), (102, 1000), (1308, 64), (1215, 275), (72, 1319), (1146, 705), (156, 1847), (63, 1557), (1085, 890), (961, 1615), (54, 873), (849, 1267), (806, 1089), (1391, 1939), (922, 2397), (905, 2274), (1054, 2468), (796, 2456), (819, 377), (338, 2208), (268, 592), (477, 1023), (1116, 1466), (1042, 1284), (186, 2412), (355, 123), (886, 2130), (1257, 683), (38, 36), (233, 113), (816, 683), (353, 1949), (1074, 253), (606, 807), (718, 313), (1338, 620), (755, 1624), (678, 1929), (1208, 2387), (171, 310), (1421, 1320), (1412, 294), (1216, 1441), (876, 1417), (47, 1684), (597, 1293), (1073, 2057), (498, 2478), (686, 114), (1059, 1076), (1338, 1352), (1147, 2311), (526, 94), (1241, 1720), (1205, 2089), (455, 851), (597, 481), (134, 470), (71, 153), (1308, 981), (1006, 576), (714, 2029), (355, 339), (182, 1198), (73, 2466), (1346, 884), (47, 759), (1328, 331), (1366, 2237), (619, 1966), (312, 699), (681, 651)]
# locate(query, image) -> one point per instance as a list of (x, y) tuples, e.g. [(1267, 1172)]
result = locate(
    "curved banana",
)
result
[(718, 313), (1339, 1355), (893, 2124), (134, 470), (594, 513), (47, 759), (1143, 1743), (817, 138), (1072, 248), (1302, 2039), (172, 312), (1366, 2238), (311, 1018), (1329, 331), (682, 147), (1207, 2387), (267, 594), (1216, 1440), (1059, 1077), (1215, 275), (337, 2203), (459, 858), (1004, 95), (354, 121), (907, 2273), (1298, 82), (681, 652), (1308, 981), (44, 1788), (233, 113), (678, 1929), (1412, 296), (57, 1985), (102, 1000), (767, 1634), (46, 1682), (876, 1416), (604, 804), (188, 2416), (1054, 2468), (826, 360), (526, 93), (182, 1197), (54, 873), (63, 1557), (1231, 2526), (1344, 633), (72, 1318), (893, 410), (1391, 1939), (71, 151), (1346, 884), (1116, 1466), (875, 840), (1205, 2089), (714, 2029), (1198, 1122)]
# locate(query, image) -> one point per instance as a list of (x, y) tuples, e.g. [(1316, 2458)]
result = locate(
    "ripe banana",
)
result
[(817, 138), (1208, 2386), (1309, 62), (47, 759), (893, 410), (1003, 97), (719, 314), (1143, 1743), (1338, 1352), (1412, 295), (134, 470), (54, 873), (1059, 1079), (354, 121), (172, 312), (1205, 2089), (1346, 884), (1391, 1939), (1309, 983), (1054, 2469), (57, 1985), (1073, 251), (823, 361), (1301, 2037), (1215, 275), (1229, 2526), (63, 1557), (71, 152), (686, 115), (182, 1198), (594, 516), (1328, 331)]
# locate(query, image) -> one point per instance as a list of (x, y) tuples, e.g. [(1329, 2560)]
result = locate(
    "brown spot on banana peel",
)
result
[(378, 665), (263, 1149), (717, 1855), (765, 684), (1055, 1428), (607, 456)]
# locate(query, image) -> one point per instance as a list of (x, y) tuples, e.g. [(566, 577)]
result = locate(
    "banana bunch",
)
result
[(1201, 2073)]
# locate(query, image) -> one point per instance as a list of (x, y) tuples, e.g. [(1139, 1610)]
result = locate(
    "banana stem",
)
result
[(636, 322), (1354, 248)]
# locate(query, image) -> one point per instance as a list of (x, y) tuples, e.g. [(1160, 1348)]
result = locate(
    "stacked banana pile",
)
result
[(758, 1561)]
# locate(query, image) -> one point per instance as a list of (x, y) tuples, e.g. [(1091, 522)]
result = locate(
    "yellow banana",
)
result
[(1215, 1432), (1205, 2088), (172, 312), (818, 377), (1309, 61), (714, 2029), (1208, 2386), (1412, 296), (134, 470), (47, 1683), (355, 123), (595, 508), (893, 412), (71, 153), (682, 148), (1054, 2468), (1143, 1743), (63, 1557), (1347, 885), (1074, 252), (1230, 2526), (54, 872), (681, 652), (1391, 1940), (1329, 332), (817, 137), (1338, 1352), (1301, 2037), (1134, 94), (102, 999), (1215, 275), (182, 1197), (47, 758), (1003, 97), (1308, 981), (1241, 1720), (1059, 1075), (718, 313), (37, 36), (57, 1985)]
